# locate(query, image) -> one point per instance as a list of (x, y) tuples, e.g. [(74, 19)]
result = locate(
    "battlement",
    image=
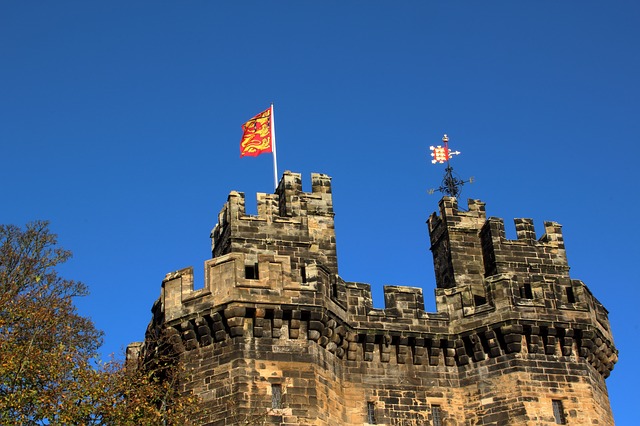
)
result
[(272, 293), (288, 201), (526, 255), (284, 257), (340, 316), (228, 280), (468, 248), (450, 215), (293, 202), (562, 305), (290, 222)]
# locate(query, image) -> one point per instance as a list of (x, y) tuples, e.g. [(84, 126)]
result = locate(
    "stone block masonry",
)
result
[(277, 337)]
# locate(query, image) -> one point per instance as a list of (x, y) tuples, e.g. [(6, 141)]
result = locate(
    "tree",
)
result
[(49, 373)]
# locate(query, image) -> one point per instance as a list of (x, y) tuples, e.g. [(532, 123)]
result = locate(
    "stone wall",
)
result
[(275, 336)]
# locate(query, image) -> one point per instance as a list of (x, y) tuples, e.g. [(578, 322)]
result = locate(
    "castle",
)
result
[(277, 337)]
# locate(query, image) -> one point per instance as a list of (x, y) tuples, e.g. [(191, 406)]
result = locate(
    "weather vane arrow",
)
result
[(451, 184)]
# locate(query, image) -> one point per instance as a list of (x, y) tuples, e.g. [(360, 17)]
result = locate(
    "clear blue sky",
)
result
[(120, 123)]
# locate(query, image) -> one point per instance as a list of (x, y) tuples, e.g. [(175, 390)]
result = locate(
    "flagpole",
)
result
[(273, 149)]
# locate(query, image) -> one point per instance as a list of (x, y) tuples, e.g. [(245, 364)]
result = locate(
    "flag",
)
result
[(257, 136), (439, 154)]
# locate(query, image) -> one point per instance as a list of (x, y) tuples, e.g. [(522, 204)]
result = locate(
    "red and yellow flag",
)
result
[(256, 137)]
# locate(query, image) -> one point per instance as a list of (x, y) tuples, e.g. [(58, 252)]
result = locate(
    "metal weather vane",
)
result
[(451, 184)]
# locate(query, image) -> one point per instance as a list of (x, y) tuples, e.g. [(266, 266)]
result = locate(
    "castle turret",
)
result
[(290, 222), (276, 336)]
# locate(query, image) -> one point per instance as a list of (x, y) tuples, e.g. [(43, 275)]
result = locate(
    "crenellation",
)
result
[(553, 234), (403, 301), (525, 229), (512, 330), (268, 205)]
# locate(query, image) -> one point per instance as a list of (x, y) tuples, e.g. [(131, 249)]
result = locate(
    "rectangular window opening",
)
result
[(571, 298), (436, 415), (371, 413), (251, 272), (276, 396), (479, 300), (525, 292), (303, 273), (558, 412)]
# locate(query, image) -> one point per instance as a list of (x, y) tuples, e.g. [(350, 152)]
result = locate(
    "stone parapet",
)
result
[(276, 336), (460, 332), (290, 222)]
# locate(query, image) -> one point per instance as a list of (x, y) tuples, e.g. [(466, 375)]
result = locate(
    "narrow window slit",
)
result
[(571, 298), (526, 292), (276, 396), (371, 413), (558, 412), (436, 415)]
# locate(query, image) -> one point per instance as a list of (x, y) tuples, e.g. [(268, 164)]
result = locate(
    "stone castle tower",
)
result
[(275, 336)]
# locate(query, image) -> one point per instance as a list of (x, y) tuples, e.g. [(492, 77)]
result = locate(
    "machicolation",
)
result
[(275, 336)]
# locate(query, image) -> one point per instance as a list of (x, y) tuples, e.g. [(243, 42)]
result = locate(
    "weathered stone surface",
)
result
[(512, 332)]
